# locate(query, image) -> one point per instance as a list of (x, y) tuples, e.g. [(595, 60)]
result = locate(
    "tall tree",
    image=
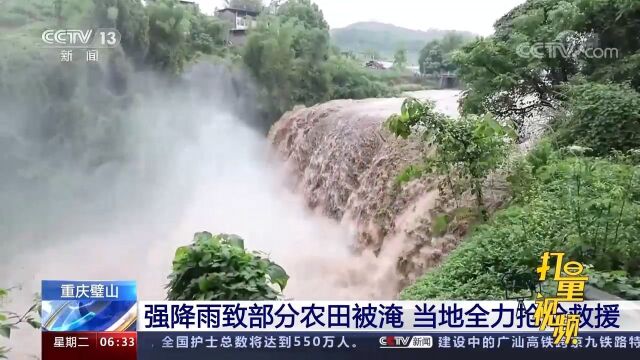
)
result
[(169, 28), (287, 55), (269, 56), (431, 58), (304, 12), (540, 47), (400, 59), (435, 57)]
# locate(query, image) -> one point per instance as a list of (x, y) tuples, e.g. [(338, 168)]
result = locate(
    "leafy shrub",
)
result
[(475, 269), (207, 34), (603, 117), (350, 81), (586, 207), (219, 268), (468, 148)]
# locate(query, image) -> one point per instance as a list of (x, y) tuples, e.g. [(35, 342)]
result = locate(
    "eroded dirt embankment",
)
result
[(345, 163)]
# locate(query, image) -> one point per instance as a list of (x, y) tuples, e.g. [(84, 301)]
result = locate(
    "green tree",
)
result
[(287, 55), (219, 268), (603, 117), (304, 12), (207, 34), (312, 81), (453, 41), (169, 29), (432, 59), (436, 56), (400, 59), (165, 34), (351, 81), (269, 56), (467, 149), (506, 77)]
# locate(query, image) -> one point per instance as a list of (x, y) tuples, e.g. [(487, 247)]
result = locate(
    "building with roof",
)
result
[(239, 21)]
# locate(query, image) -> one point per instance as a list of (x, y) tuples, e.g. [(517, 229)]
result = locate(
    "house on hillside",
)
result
[(240, 21)]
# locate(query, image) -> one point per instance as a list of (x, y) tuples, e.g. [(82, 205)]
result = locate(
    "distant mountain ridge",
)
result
[(385, 39)]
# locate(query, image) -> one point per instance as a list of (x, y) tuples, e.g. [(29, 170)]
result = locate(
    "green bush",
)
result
[(602, 117), (219, 268), (467, 149), (588, 208), (350, 81), (475, 269)]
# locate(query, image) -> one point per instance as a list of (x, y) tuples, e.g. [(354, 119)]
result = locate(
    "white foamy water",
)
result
[(446, 100)]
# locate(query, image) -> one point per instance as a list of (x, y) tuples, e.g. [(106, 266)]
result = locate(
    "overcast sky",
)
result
[(476, 16)]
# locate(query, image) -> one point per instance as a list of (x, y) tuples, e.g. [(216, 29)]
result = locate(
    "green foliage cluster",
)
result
[(400, 59), (290, 56), (603, 117), (168, 35), (467, 149), (504, 81), (351, 81), (177, 34), (219, 268), (586, 207), (436, 57), (305, 12), (10, 320)]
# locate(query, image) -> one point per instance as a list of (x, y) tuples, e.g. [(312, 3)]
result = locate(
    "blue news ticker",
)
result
[(91, 315), (89, 290)]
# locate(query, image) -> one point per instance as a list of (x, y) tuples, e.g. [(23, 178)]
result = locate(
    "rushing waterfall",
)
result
[(345, 163)]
